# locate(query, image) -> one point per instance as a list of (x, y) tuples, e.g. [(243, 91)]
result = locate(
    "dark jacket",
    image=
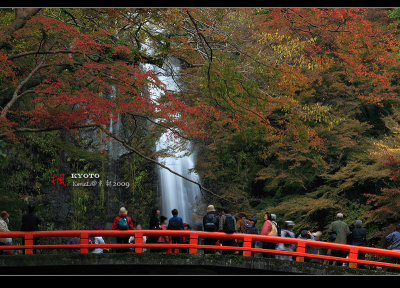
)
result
[(154, 223), (359, 236)]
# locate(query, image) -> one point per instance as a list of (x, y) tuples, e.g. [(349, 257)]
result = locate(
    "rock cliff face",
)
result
[(92, 165)]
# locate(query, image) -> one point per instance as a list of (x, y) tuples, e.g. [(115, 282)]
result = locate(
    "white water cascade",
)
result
[(176, 192), (115, 150)]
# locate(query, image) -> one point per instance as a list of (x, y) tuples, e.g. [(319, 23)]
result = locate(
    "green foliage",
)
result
[(80, 200), (137, 173)]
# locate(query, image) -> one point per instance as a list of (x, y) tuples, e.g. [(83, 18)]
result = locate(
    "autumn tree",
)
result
[(284, 105), (307, 90)]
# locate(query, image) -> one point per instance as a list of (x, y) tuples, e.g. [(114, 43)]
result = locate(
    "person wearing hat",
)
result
[(317, 250), (122, 222), (4, 227), (339, 231), (98, 240), (210, 224), (287, 231), (251, 228), (306, 235), (253, 222)]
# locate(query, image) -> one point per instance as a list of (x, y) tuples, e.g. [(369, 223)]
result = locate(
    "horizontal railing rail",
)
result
[(194, 244)]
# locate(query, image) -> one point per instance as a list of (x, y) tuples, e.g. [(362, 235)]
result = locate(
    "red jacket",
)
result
[(266, 228), (115, 223)]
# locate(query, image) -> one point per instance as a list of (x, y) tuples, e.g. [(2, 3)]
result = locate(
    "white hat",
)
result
[(123, 210), (316, 234), (210, 208), (289, 223)]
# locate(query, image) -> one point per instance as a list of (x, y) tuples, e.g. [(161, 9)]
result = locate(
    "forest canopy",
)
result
[(292, 110)]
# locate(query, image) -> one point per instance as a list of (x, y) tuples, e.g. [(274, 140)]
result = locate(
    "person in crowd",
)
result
[(164, 238), (31, 222), (241, 219), (306, 235), (227, 224), (339, 231), (4, 227), (287, 231), (175, 223), (210, 224), (359, 238), (317, 250), (132, 238), (266, 230), (317, 235), (154, 224), (98, 240), (186, 239), (393, 239), (74, 241), (251, 228), (122, 222)]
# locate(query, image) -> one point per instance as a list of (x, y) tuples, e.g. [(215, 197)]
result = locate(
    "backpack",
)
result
[(123, 223), (249, 228), (229, 224), (274, 229), (211, 221)]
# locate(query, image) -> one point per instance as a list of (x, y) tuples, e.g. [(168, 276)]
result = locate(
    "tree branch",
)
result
[(16, 96), (22, 15), (127, 146)]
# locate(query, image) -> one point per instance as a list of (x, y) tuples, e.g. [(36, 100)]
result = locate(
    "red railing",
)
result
[(194, 244)]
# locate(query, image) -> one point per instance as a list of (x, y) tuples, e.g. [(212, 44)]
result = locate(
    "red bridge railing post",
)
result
[(28, 243), (84, 241), (301, 247), (139, 242), (247, 245), (353, 255), (194, 240)]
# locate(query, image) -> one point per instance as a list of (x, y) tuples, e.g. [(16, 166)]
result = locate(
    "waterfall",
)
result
[(176, 192), (115, 150)]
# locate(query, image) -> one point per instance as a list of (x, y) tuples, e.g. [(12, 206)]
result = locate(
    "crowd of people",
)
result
[(223, 221), (30, 222)]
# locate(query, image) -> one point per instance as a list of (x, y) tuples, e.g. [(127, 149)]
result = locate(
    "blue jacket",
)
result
[(394, 240), (175, 223)]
